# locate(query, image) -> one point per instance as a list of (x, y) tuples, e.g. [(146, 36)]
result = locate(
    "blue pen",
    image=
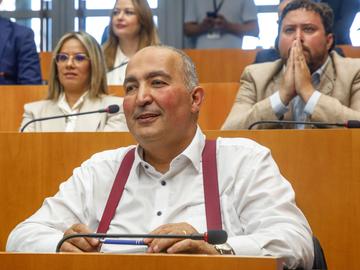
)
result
[(123, 242)]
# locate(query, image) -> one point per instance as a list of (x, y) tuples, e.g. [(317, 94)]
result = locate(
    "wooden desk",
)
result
[(219, 98), (14, 97), (135, 261), (12, 101), (350, 51), (45, 65), (323, 167), (216, 65), (221, 65)]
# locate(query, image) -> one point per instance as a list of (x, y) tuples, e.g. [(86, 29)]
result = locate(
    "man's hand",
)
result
[(287, 87), (207, 24), (80, 244), (303, 84), (178, 245), (221, 23)]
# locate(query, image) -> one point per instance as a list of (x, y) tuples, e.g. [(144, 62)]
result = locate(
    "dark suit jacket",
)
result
[(19, 60), (344, 14)]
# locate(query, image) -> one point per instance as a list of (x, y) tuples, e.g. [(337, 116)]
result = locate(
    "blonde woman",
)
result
[(77, 84), (131, 29)]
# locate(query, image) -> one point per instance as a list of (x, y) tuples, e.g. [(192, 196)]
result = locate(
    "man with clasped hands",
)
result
[(311, 82)]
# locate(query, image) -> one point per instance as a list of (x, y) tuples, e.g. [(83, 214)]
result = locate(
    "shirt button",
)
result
[(163, 183), (159, 213), (146, 166)]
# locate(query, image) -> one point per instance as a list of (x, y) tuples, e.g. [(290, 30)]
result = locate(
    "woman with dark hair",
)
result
[(77, 84), (131, 28)]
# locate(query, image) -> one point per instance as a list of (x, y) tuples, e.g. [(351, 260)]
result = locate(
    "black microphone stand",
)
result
[(317, 124), (105, 235), (60, 116)]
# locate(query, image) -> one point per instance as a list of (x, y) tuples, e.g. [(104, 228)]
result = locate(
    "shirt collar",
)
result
[(320, 70), (193, 151), (120, 57), (65, 107)]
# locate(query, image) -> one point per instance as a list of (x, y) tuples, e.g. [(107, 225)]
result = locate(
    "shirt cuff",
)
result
[(278, 107), (244, 246), (313, 100)]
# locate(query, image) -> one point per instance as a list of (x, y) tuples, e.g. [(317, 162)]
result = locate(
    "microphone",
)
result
[(347, 124), (111, 109), (119, 66), (213, 237)]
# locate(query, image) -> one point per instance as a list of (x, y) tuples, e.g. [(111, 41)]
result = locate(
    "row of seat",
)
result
[(219, 98), (217, 65)]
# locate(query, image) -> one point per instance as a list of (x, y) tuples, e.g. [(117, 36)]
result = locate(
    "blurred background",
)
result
[(50, 19)]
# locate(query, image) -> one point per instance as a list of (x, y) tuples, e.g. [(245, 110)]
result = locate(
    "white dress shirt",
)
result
[(235, 11), (257, 204), (70, 122), (117, 74)]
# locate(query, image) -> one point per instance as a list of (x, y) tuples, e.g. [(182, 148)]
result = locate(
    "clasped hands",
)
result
[(154, 245), (210, 23), (297, 77)]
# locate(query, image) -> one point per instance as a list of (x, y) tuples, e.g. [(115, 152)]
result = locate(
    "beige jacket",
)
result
[(339, 102), (89, 122)]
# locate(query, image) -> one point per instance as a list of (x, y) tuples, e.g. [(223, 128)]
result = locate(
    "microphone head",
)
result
[(113, 108), (353, 124), (216, 237)]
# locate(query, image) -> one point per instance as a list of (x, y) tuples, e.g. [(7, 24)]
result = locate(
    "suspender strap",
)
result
[(211, 189), (116, 191)]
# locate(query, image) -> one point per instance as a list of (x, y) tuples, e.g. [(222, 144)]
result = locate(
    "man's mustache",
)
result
[(141, 111)]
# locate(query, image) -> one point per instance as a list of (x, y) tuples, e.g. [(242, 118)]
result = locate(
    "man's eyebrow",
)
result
[(130, 79), (157, 73), (150, 75), (301, 24)]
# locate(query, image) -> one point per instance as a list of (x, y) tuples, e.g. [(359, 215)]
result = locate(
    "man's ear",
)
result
[(197, 97), (330, 39)]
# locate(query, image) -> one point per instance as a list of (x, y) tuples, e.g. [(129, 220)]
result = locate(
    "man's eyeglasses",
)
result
[(78, 58)]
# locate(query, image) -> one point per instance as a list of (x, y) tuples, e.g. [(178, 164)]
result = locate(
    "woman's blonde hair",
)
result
[(98, 82), (148, 33)]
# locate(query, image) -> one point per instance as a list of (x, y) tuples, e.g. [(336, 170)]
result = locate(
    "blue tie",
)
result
[(299, 105)]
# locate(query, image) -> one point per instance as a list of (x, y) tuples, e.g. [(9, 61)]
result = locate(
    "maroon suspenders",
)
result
[(211, 189), (116, 191)]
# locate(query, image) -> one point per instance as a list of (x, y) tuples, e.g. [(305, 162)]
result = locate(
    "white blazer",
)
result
[(89, 122)]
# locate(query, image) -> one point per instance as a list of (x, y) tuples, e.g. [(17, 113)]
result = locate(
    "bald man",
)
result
[(164, 192)]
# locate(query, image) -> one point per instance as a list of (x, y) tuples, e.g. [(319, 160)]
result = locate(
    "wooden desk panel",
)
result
[(322, 165), (218, 101), (219, 98), (135, 261), (12, 101), (45, 65), (14, 97), (350, 51), (220, 65)]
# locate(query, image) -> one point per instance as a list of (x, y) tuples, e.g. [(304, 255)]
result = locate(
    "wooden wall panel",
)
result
[(323, 167), (219, 98), (135, 262), (221, 65)]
